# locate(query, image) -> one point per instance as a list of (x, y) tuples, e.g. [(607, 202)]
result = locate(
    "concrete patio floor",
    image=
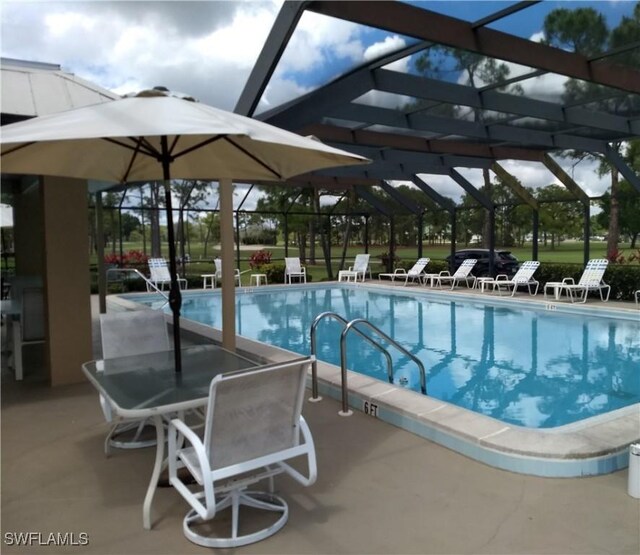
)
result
[(379, 490)]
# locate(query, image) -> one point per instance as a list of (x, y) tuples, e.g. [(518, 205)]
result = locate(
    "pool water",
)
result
[(538, 369)]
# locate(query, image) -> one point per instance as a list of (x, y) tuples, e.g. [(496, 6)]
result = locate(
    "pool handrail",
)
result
[(140, 274), (343, 355)]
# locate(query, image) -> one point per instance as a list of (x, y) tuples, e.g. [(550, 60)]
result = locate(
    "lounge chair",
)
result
[(416, 272), (126, 334), (591, 280), (524, 276), (293, 269), (218, 274), (463, 273), (253, 428), (361, 266), (159, 275)]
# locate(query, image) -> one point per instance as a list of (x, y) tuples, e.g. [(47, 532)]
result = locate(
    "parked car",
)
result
[(504, 262)]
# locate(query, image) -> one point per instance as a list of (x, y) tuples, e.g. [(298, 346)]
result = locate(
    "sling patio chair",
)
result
[(524, 276), (253, 428), (591, 280), (293, 269), (124, 334), (159, 274), (416, 272), (218, 275), (463, 273)]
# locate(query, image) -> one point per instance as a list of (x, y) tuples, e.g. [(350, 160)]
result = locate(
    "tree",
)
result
[(585, 31), (477, 70), (561, 216), (629, 211)]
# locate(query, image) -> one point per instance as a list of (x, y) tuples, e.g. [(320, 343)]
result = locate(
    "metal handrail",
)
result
[(343, 355), (147, 280)]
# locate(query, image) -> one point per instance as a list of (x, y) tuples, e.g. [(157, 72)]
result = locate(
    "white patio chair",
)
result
[(218, 274), (591, 280), (415, 272), (361, 266), (293, 269), (463, 273), (159, 275), (28, 328), (126, 334), (524, 276), (253, 427)]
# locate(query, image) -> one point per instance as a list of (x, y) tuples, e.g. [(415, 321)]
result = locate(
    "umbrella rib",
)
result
[(196, 147), (148, 150), (19, 147), (253, 157)]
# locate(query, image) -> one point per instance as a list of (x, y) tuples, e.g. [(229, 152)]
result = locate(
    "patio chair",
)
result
[(126, 334), (159, 274), (416, 272), (524, 276), (361, 266), (28, 328), (463, 273), (293, 269), (218, 274), (253, 428), (591, 280)]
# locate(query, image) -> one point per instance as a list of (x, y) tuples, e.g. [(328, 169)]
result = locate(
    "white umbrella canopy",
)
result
[(120, 141), (157, 136)]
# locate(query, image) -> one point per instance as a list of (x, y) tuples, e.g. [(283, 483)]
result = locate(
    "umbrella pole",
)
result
[(175, 296), (226, 255)]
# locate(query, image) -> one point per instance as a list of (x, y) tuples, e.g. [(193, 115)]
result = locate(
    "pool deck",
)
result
[(380, 490), (597, 445)]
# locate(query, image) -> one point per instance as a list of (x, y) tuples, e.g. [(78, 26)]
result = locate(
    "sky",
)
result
[(207, 49)]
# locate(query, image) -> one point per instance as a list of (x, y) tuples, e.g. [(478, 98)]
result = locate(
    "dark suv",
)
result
[(503, 263)]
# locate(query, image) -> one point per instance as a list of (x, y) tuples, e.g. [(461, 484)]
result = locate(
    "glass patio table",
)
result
[(146, 386)]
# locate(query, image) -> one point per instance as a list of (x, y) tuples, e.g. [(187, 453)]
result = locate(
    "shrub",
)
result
[(259, 259), (130, 259), (261, 237)]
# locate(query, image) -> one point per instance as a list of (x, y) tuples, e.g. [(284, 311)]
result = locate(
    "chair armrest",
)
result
[(444, 273), (178, 432), (399, 271), (501, 277), (568, 281)]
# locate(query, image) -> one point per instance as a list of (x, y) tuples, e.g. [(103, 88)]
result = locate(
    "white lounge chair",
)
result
[(416, 272), (591, 280), (463, 273), (126, 334), (361, 266), (293, 269), (218, 274), (159, 275), (253, 428), (524, 276)]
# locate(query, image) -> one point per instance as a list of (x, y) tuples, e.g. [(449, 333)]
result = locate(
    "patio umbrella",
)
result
[(157, 136)]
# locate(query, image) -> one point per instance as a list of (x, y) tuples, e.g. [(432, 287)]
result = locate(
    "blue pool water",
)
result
[(538, 369)]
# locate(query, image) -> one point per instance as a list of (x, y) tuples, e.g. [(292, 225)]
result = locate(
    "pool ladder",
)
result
[(348, 326)]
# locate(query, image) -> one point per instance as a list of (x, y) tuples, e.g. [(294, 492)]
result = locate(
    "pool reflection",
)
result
[(536, 369)]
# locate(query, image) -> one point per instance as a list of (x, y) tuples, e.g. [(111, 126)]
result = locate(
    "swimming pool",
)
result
[(523, 366)]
